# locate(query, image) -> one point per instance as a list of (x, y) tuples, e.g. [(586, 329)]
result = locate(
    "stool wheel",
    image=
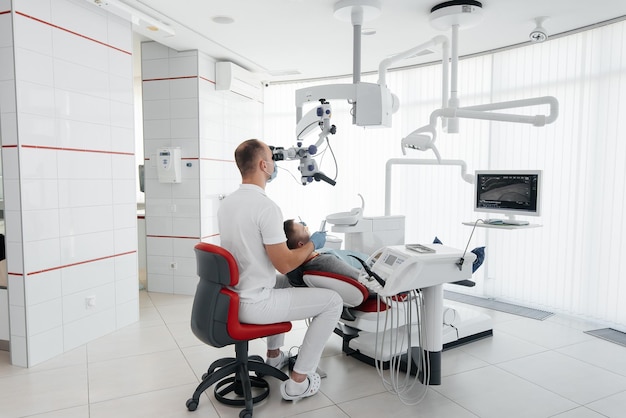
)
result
[(191, 404)]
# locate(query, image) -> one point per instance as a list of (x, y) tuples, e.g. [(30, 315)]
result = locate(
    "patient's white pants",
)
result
[(324, 306)]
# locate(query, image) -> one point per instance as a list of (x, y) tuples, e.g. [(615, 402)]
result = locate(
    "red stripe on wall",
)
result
[(73, 33), (171, 78), (206, 79), (4, 12), (77, 150), (171, 236), (76, 264)]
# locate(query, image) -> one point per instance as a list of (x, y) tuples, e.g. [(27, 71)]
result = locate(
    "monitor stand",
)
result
[(510, 220)]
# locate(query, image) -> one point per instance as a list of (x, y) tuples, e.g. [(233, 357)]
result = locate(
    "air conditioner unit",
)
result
[(243, 83)]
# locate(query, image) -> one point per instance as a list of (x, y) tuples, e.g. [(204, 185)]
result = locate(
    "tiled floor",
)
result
[(527, 369)]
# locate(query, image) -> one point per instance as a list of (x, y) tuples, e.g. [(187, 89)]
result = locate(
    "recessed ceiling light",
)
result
[(223, 20)]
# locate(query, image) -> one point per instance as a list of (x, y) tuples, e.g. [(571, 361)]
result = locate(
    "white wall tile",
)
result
[(160, 246), (17, 318), (121, 88), (206, 66), (120, 33), (120, 63), (186, 266), (126, 267), (35, 98), (6, 27), (16, 290), (8, 127), (75, 307), (127, 313), (8, 96), (81, 79), (39, 194), (83, 107), (81, 278), (44, 316), (83, 192), (154, 68), (19, 353), (80, 248), (77, 134), (124, 191), (125, 239), (40, 255), (160, 265), (84, 165), (43, 287), (38, 130), (34, 67), (184, 108), (186, 227), (72, 48), (153, 50), (183, 66), (187, 208), (88, 328), (6, 63), (184, 248), (124, 167), (185, 285), (85, 220), (123, 140), (44, 346), (125, 216), (14, 259), (33, 35), (38, 163), (157, 89), (40, 224), (80, 18), (156, 129), (160, 283), (126, 290), (159, 206), (156, 109), (123, 115), (185, 88), (159, 226), (184, 128)]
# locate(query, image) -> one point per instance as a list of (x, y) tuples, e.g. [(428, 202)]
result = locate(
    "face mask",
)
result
[(273, 174)]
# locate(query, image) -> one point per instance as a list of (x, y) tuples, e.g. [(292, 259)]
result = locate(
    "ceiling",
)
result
[(301, 39)]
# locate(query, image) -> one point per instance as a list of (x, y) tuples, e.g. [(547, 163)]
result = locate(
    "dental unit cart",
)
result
[(404, 270)]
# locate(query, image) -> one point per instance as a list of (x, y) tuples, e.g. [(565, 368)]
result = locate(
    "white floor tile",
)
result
[(387, 404), (159, 403), (600, 353), (131, 342), (490, 392), (611, 406), (501, 347), (566, 376), (138, 374), (77, 412), (49, 390), (543, 333)]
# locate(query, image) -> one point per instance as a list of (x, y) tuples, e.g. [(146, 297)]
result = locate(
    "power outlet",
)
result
[(90, 302), (173, 265)]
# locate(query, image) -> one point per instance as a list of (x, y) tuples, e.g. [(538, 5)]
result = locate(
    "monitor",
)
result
[(508, 192)]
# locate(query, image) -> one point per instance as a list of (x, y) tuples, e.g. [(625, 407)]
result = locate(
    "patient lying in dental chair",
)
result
[(330, 261)]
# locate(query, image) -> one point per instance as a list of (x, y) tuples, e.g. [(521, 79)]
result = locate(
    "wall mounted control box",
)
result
[(169, 165)]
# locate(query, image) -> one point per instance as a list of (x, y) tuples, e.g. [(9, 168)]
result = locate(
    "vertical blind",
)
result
[(573, 264)]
